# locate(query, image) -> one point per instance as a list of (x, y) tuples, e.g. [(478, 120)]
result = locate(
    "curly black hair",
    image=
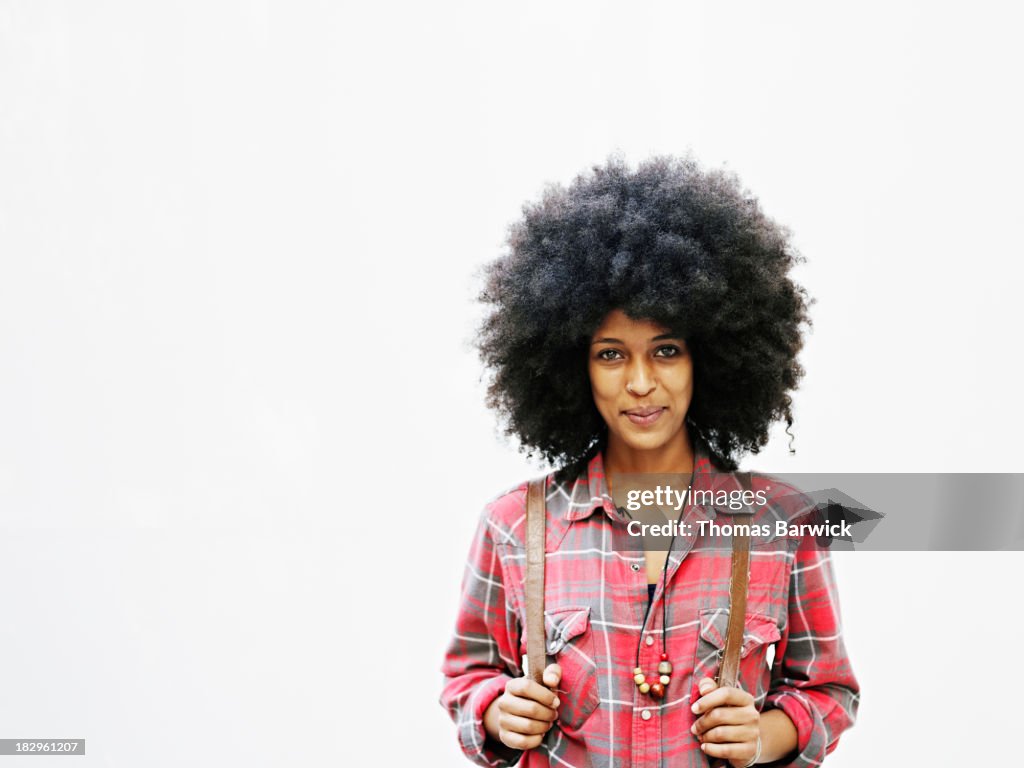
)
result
[(670, 242)]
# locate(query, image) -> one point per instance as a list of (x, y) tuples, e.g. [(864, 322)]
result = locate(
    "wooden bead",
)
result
[(637, 671), (664, 668), (657, 690), (664, 679), (639, 679), (645, 688)]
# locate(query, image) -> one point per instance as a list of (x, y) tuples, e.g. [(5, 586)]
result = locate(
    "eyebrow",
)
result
[(662, 337)]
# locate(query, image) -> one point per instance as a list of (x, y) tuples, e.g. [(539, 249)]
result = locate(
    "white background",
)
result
[(242, 439)]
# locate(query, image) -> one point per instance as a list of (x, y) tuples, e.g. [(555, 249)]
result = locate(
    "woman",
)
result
[(644, 322)]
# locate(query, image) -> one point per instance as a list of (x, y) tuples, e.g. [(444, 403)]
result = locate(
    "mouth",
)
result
[(644, 417)]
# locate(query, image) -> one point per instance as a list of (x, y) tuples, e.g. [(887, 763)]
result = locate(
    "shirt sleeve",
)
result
[(481, 657), (812, 682)]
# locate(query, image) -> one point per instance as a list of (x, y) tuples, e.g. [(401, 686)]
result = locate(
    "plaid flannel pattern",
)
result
[(596, 615)]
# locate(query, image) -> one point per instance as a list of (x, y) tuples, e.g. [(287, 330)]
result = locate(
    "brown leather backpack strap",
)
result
[(536, 649), (728, 674)]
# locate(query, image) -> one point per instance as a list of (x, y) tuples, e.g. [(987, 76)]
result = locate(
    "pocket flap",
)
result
[(563, 624), (758, 629)]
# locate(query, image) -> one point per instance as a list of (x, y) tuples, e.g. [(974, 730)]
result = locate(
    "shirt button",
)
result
[(650, 640), (646, 714), (635, 566)]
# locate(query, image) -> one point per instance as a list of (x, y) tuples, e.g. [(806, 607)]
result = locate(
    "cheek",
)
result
[(682, 383), (603, 387)]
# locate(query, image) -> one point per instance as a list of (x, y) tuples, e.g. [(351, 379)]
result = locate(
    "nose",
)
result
[(640, 379)]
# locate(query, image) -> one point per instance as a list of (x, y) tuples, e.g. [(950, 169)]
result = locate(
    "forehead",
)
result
[(617, 324)]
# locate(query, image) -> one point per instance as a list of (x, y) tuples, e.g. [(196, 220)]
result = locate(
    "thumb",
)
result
[(552, 675), (706, 686)]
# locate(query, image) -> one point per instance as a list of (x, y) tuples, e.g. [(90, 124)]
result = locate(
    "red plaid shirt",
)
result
[(596, 613)]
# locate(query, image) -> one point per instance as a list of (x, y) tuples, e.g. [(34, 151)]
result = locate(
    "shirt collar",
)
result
[(590, 491)]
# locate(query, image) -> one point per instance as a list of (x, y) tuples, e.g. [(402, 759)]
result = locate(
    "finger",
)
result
[(733, 697), (520, 741), (526, 688), (725, 716), (704, 687), (528, 708), (730, 734), (523, 725), (735, 752), (552, 675)]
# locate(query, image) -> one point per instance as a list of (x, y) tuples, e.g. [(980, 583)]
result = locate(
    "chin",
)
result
[(645, 442)]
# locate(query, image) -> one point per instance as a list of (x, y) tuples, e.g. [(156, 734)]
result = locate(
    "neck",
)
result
[(673, 458)]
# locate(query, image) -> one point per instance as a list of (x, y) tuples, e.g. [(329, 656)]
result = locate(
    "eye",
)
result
[(668, 350), (609, 354)]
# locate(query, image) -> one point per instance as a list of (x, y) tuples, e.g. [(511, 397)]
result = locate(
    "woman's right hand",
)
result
[(521, 716)]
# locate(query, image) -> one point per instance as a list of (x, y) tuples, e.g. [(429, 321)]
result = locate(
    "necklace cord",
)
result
[(664, 581)]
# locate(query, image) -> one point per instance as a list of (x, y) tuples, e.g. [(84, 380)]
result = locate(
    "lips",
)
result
[(644, 417)]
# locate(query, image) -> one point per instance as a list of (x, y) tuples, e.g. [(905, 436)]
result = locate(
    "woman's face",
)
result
[(641, 376)]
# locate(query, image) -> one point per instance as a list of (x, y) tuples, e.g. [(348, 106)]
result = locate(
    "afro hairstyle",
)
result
[(670, 242)]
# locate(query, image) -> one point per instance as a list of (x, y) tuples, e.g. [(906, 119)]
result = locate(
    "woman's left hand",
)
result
[(729, 723)]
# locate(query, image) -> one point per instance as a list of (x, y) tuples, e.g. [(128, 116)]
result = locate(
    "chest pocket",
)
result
[(570, 640), (760, 632)]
